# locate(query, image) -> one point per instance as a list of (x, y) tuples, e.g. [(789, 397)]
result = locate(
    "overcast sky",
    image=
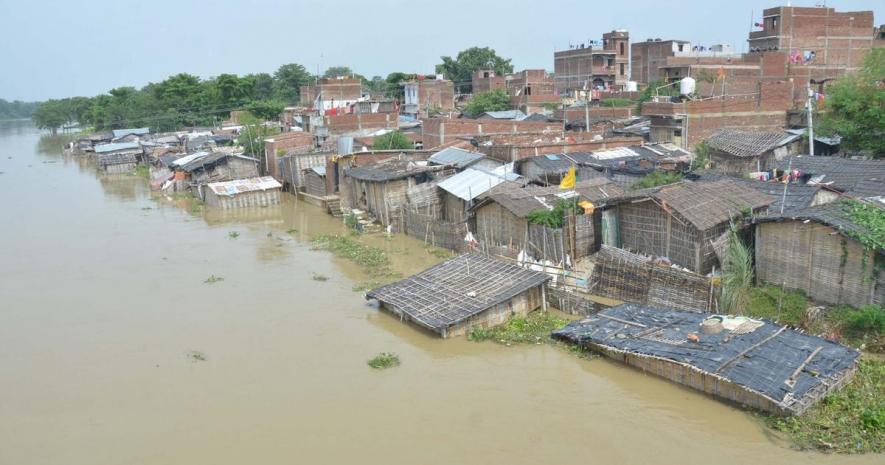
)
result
[(61, 48)]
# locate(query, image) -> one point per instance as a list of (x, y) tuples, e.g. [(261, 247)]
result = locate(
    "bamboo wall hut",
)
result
[(218, 167), (680, 221), (467, 291), (740, 152), (460, 159), (313, 181), (628, 277), (380, 187), (117, 162), (293, 166), (243, 193), (460, 190), (501, 219), (816, 250), (754, 363)]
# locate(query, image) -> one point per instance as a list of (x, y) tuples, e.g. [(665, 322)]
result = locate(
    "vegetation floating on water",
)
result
[(212, 279), (197, 356), (233, 234), (374, 261), (384, 360), (851, 420), (438, 252), (365, 286), (532, 329), (141, 171), (292, 231), (319, 277)]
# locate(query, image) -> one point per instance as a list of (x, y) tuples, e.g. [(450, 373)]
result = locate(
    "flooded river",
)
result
[(103, 304)]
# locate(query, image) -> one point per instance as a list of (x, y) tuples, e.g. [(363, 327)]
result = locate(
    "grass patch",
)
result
[(212, 279), (374, 261), (365, 286), (773, 303), (657, 178), (319, 277), (384, 360), (534, 328), (849, 421), (141, 171), (233, 234), (438, 252), (292, 231)]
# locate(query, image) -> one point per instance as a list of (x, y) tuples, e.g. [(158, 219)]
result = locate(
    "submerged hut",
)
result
[(754, 363), (117, 162), (681, 221), (314, 180), (818, 250), (204, 168), (465, 292), (241, 193), (381, 187)]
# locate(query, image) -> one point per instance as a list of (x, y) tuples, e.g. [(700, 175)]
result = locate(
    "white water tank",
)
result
[(686, 86), (631, 86)]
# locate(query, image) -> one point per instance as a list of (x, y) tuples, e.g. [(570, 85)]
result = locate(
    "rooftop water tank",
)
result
[(686, 86)]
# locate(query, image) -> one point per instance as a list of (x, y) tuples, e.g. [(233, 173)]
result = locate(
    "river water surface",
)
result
[(103, 303)]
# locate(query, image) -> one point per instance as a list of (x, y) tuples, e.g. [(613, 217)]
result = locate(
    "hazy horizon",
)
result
[(54, 54)]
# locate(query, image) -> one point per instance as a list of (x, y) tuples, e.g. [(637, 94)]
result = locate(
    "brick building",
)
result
[(803, 43), (688, 122), (439, 131), (284, 144), (486, 80), (431, 94), (329, 93), (597, 68), (531, 90)]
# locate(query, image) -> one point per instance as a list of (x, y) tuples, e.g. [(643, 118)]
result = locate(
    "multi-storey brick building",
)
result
[(531, 90), (428, 95), (330, 93), (486, 80), (585, 67), (651, 60)]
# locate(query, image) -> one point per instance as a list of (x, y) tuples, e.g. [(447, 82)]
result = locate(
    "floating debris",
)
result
[(213, 279), (233, 234), (384, 360)]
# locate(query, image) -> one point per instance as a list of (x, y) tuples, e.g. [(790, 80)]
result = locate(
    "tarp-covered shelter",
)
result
[(754, 363), (470, 290), (241, 193)]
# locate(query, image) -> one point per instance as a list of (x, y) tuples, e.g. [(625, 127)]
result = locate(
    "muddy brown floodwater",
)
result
[(103, 301)]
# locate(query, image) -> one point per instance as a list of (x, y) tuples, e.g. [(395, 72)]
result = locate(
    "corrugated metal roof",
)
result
[(472, 182), (135, 131), (504, 114), (454, 156), (319, 169), (115, 146), (189, 158), (239, 186)]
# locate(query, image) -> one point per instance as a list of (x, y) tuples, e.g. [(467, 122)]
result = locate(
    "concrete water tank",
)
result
[(631, 86), (686, 86)]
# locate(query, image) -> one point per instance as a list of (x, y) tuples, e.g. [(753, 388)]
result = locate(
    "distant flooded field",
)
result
[(118, 347)]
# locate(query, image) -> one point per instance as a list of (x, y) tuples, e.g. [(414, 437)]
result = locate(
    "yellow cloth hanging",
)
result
[(568, 181)]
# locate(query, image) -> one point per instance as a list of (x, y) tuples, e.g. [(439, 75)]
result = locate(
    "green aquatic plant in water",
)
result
[(212, 279), (531, 329), (384, 360)]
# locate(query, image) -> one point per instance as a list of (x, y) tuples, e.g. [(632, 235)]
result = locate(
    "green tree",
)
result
[(394, 85), (289, 78), (461, 69), (252, 135), (393, 141), (482, 102), (336, 71), (266, 109), (855, 107), (16, 109), (262, 86), (50, 115)]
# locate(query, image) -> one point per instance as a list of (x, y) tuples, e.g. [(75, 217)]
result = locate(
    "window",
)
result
[(528, 90), (622, 69), (677, 133), (680, 47), (623, 48)]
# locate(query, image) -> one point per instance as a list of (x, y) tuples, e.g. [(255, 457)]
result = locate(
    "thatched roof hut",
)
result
[(819, 250), (680, 221), (740, 152), (754, 363), (467, 291)]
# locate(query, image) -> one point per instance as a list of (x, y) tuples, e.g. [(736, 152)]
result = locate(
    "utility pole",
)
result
[(586, 108), (810, 109)]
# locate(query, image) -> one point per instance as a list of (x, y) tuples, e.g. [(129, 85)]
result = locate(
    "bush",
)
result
[(616, 102), (866, 320), (533, 328), (657, 178), (393, 141)]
